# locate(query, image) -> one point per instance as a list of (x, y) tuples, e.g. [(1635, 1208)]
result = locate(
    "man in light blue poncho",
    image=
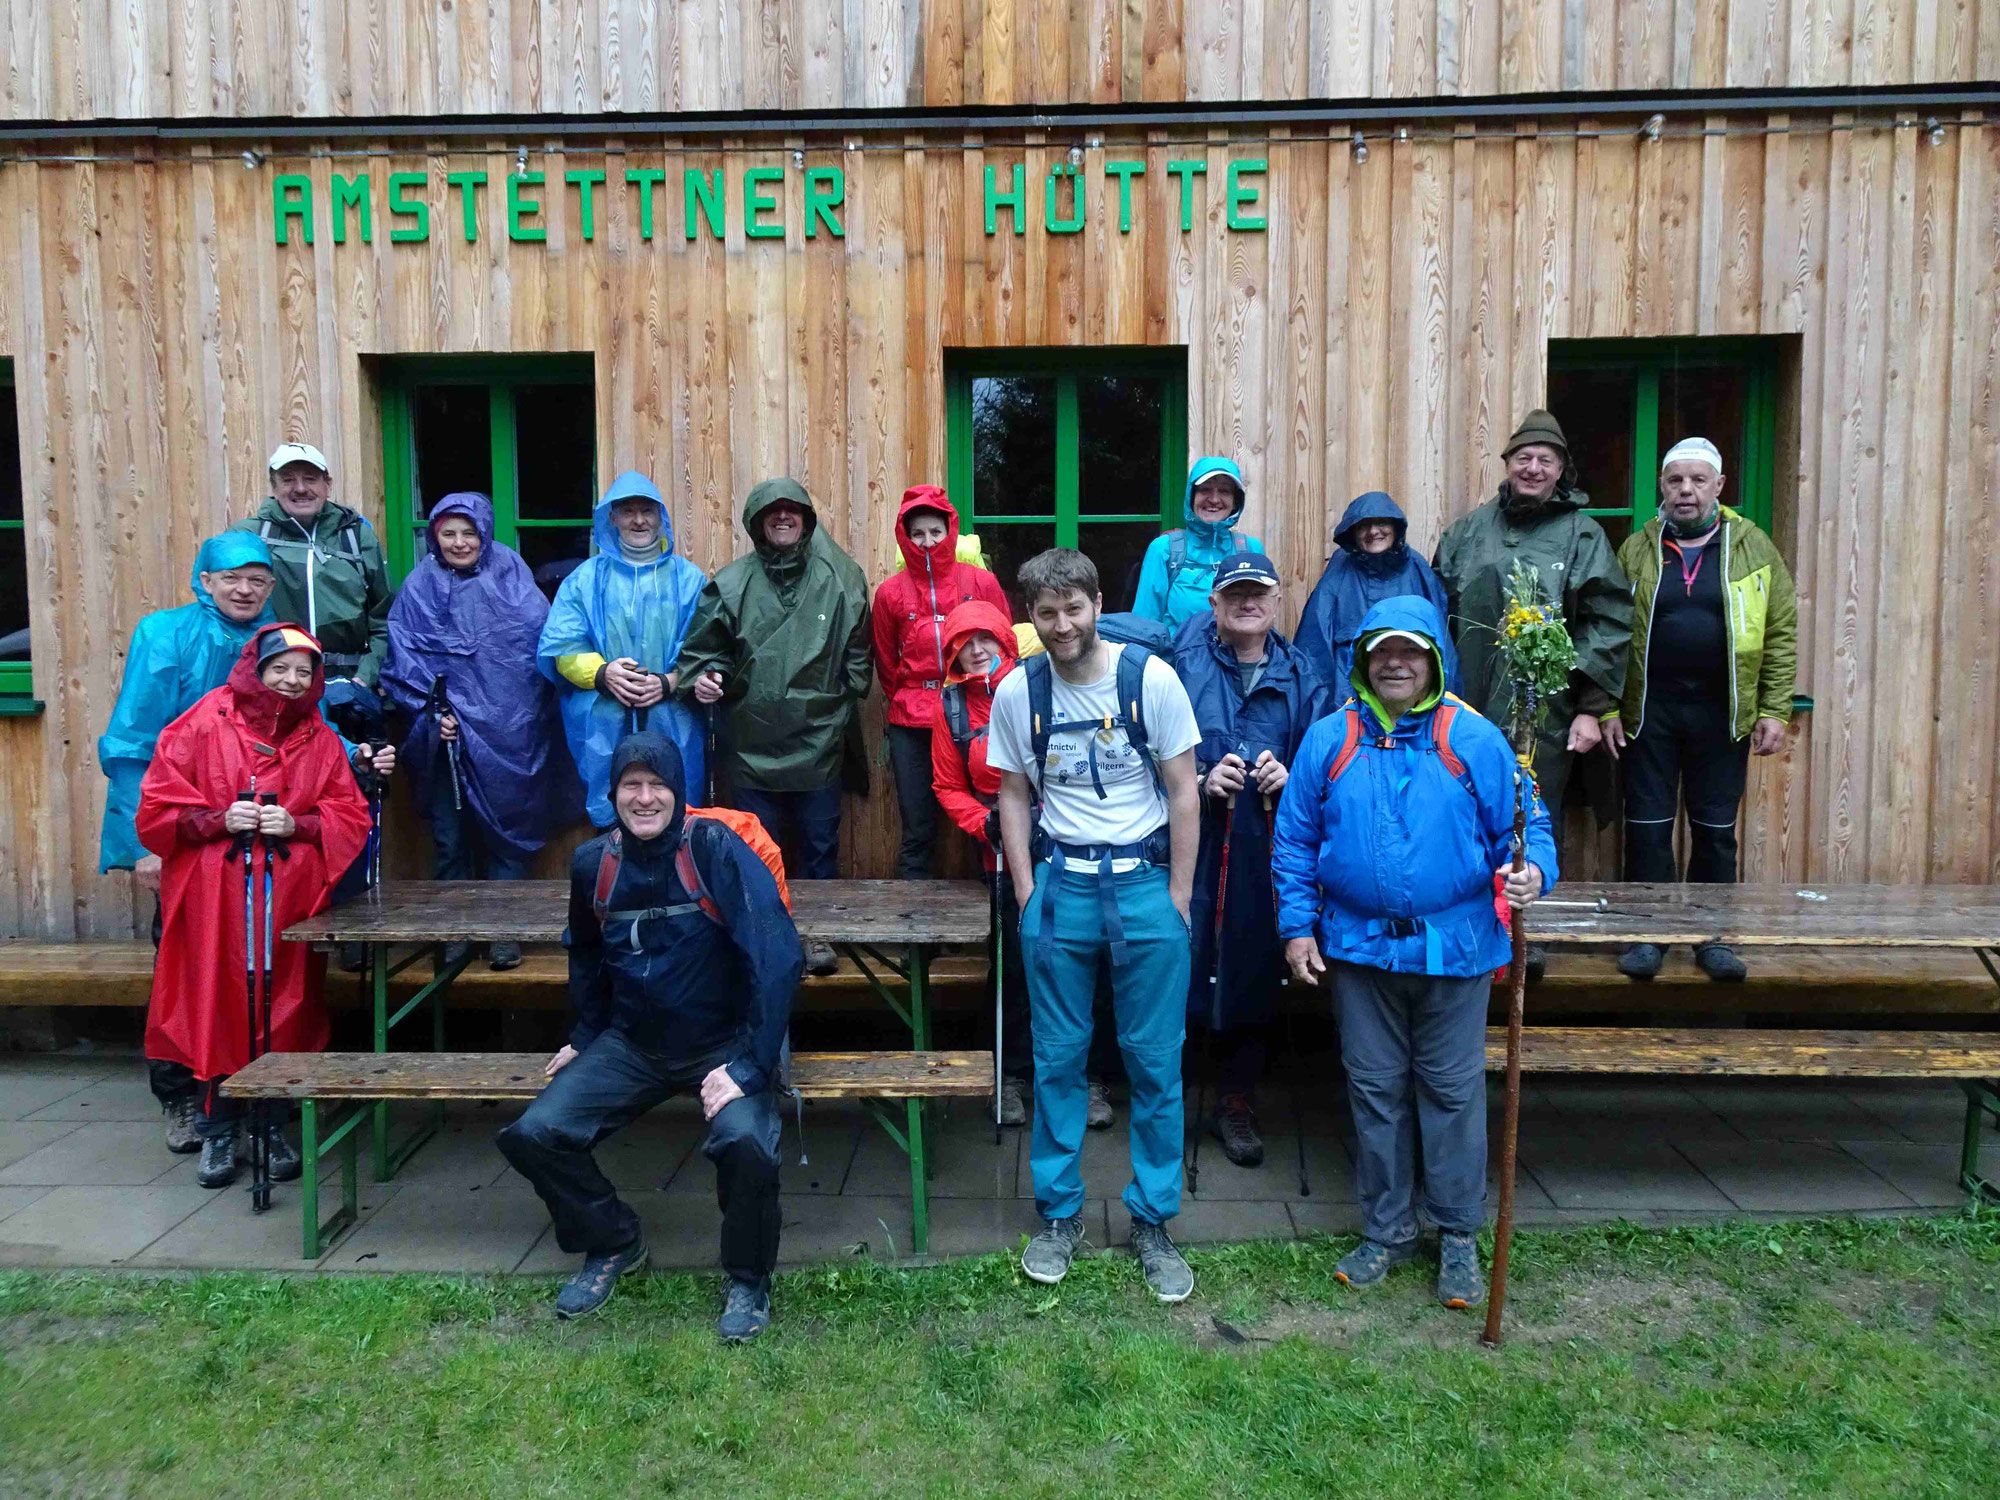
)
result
[(613, 635)]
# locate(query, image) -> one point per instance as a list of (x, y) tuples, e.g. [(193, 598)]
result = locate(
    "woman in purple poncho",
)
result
[(483, 731)]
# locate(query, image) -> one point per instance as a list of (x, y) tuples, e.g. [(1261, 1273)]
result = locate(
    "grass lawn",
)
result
[(1831, 1357)]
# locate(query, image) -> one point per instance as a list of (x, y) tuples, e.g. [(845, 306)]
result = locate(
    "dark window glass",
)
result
[(13, 537), (1007, 546), (1595, 408), (1118, 433), (1014, 446), (553, 552), (1118, 547), (454, 442), (10, 457), (555, 435), (1705, 401)]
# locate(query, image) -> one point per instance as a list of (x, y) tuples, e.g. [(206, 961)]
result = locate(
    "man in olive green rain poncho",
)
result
[(780, 641), (1537, 518)]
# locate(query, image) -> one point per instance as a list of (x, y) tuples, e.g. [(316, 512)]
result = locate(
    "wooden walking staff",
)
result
[(1510, 1116)]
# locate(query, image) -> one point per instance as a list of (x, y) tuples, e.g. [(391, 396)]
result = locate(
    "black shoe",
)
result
[(1538, 962), (821, 960), (1235, 1125), (503, 956), (746, 1311), (1719, 964), (1641, 960), (283, 1162), (590, 1288), (352, 957), (453, 953), (218, 1161)]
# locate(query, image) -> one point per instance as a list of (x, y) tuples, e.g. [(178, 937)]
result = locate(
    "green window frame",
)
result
[(1066, 367), (503, 375), (17, 678), (1752, 467)]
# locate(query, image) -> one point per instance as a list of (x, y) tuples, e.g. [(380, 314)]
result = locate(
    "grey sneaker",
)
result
[(1049, 1253), (1235, 1125), (1013, 1101), (182, 1138), (1641, 960), (590, 1288), (1369, 1261), (1166, 1270), (1098, 1115), (503, 956), (1461, 1283), (821, 959), (218, 1161), (283, 1161), (746, 1311)]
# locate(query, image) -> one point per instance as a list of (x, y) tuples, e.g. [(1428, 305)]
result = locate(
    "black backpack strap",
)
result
[(958, 720)]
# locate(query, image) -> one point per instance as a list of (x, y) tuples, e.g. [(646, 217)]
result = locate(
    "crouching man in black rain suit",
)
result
[(682, 967)]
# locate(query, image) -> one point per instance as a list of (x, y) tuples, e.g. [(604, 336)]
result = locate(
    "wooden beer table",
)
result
[(889, 929)]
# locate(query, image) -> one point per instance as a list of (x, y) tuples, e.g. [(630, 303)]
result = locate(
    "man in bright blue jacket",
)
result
[(1398, 815), (1179, 568), (1371, 561)]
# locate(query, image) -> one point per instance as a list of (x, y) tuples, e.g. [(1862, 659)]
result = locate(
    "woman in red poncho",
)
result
[(260, 730)]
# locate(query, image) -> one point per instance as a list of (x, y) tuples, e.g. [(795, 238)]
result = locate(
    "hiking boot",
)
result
[(352, 957), (182, 1138), (1369, 1261), (283, 1162), (1538, 962), (453, 953), (746, 1311), (1461, 1283), (218, 1160), (590, 1288), (1013, 1101), (1641, 960), (1719, 963), (1098, 1115), (1049, 1253), (1166, 1270), (821, 960), (1235, 1125), (503, 955)]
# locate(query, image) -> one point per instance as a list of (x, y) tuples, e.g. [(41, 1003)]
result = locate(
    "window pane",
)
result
[(1706, 401), (1118, 547), (13, 594), (1007, 547), (453, 435), (555, 439), (1596, 409), (553, 552), (1014, 447), (1118, 429), (10, 457)]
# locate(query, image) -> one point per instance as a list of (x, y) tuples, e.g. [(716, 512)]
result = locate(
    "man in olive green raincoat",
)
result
[(780, 645)]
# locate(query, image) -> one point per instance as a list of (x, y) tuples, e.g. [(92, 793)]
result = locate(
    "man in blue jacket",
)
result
[(1254, 695), (682, 966), (1399, 814)]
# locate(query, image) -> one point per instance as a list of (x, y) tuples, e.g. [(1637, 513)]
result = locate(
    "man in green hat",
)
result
[(1537, 518)]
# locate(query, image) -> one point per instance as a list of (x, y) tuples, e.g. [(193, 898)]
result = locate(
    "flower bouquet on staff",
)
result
[(1538, 655)]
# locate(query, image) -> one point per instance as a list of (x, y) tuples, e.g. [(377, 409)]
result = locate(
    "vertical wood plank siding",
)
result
[(151, 59), (1384, 332)]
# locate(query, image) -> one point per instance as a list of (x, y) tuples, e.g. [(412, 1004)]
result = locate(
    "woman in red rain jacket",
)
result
[(260, 730), (911, 659)]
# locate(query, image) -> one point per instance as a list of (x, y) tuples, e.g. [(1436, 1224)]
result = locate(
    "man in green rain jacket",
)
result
[(1537, 518), (781, 641)]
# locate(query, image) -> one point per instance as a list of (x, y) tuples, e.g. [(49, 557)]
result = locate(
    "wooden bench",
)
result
[(1970, 1058), (362, 1079)]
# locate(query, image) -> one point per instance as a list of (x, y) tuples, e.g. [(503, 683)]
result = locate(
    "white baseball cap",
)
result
[(1694, 447), (1398, 635), (297, 453)]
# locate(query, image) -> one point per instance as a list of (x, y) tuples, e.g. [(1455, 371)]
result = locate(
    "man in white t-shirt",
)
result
[(1104, 735)]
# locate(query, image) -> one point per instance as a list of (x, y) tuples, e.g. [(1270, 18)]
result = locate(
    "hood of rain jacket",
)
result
[(613, 607), (911, 608), (1355, 581), (332, 582), (787, 630), (967, 787), (474, 635), (175, 656), (1173, 596)]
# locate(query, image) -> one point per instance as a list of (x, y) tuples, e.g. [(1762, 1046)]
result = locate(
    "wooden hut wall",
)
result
[(1383, 332), (146, 59)]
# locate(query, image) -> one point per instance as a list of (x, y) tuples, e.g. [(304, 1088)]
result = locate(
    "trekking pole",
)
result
[(244, 849), (999, 990), (260, 1181), (1510, 1124), (441, 703), (376, 745)]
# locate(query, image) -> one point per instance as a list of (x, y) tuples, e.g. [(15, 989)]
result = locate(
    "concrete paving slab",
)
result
[(1328, 1170), (1910, 1110), (1793, 1176), (977, 1226), (652, 1152), (1635, 1108), (225, 1233), (94, 1226), (683, 1233), (14, 1199), (964, 1162), (124, 1097), (1315, 1215), (462, 1155), (823, 1228), (113, 1154), (1925, 1174), (1209, 1223), (831, 1136), (25, 1088), (1785, 1109), (20, 1139), (484, 1230), (1620, 1175)]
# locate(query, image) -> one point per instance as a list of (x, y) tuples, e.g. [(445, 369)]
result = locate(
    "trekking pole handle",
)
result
[(270, 799)]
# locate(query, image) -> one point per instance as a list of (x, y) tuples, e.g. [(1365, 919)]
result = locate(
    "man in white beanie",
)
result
[(1708, 684)]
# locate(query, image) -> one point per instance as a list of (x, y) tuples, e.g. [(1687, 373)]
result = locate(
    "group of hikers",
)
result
[(1181, 808)]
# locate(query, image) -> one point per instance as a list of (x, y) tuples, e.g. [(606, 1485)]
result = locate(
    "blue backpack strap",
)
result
[(1041, 709), (1132, 706)]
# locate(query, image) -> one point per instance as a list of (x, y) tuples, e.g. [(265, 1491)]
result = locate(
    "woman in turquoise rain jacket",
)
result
[(1180, 565)]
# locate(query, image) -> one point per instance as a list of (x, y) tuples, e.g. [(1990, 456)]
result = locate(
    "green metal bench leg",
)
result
[(920, 1190), (317, 1235), (378, 973), (917, 962), (1981, 1099), (388, 1159)]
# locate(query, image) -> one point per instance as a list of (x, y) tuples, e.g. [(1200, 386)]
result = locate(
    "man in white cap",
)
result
[(1708, 684)]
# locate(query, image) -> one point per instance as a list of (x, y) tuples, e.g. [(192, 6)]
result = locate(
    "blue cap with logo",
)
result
[(1246, 567)]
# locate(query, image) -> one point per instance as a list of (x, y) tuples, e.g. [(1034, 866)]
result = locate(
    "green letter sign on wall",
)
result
[(826, 190), (292, 198), (1240, 196), (468, 185), (353, 195), (699, 188), (519, 208), (401, 207), (755, 203), (585, 184), (1016, 200)]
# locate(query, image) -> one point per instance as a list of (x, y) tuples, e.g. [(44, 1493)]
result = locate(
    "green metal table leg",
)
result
[(309, 1175), (313, 1150), (916, 962), (1981, 1098), (378, 973), (920, 1198)]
